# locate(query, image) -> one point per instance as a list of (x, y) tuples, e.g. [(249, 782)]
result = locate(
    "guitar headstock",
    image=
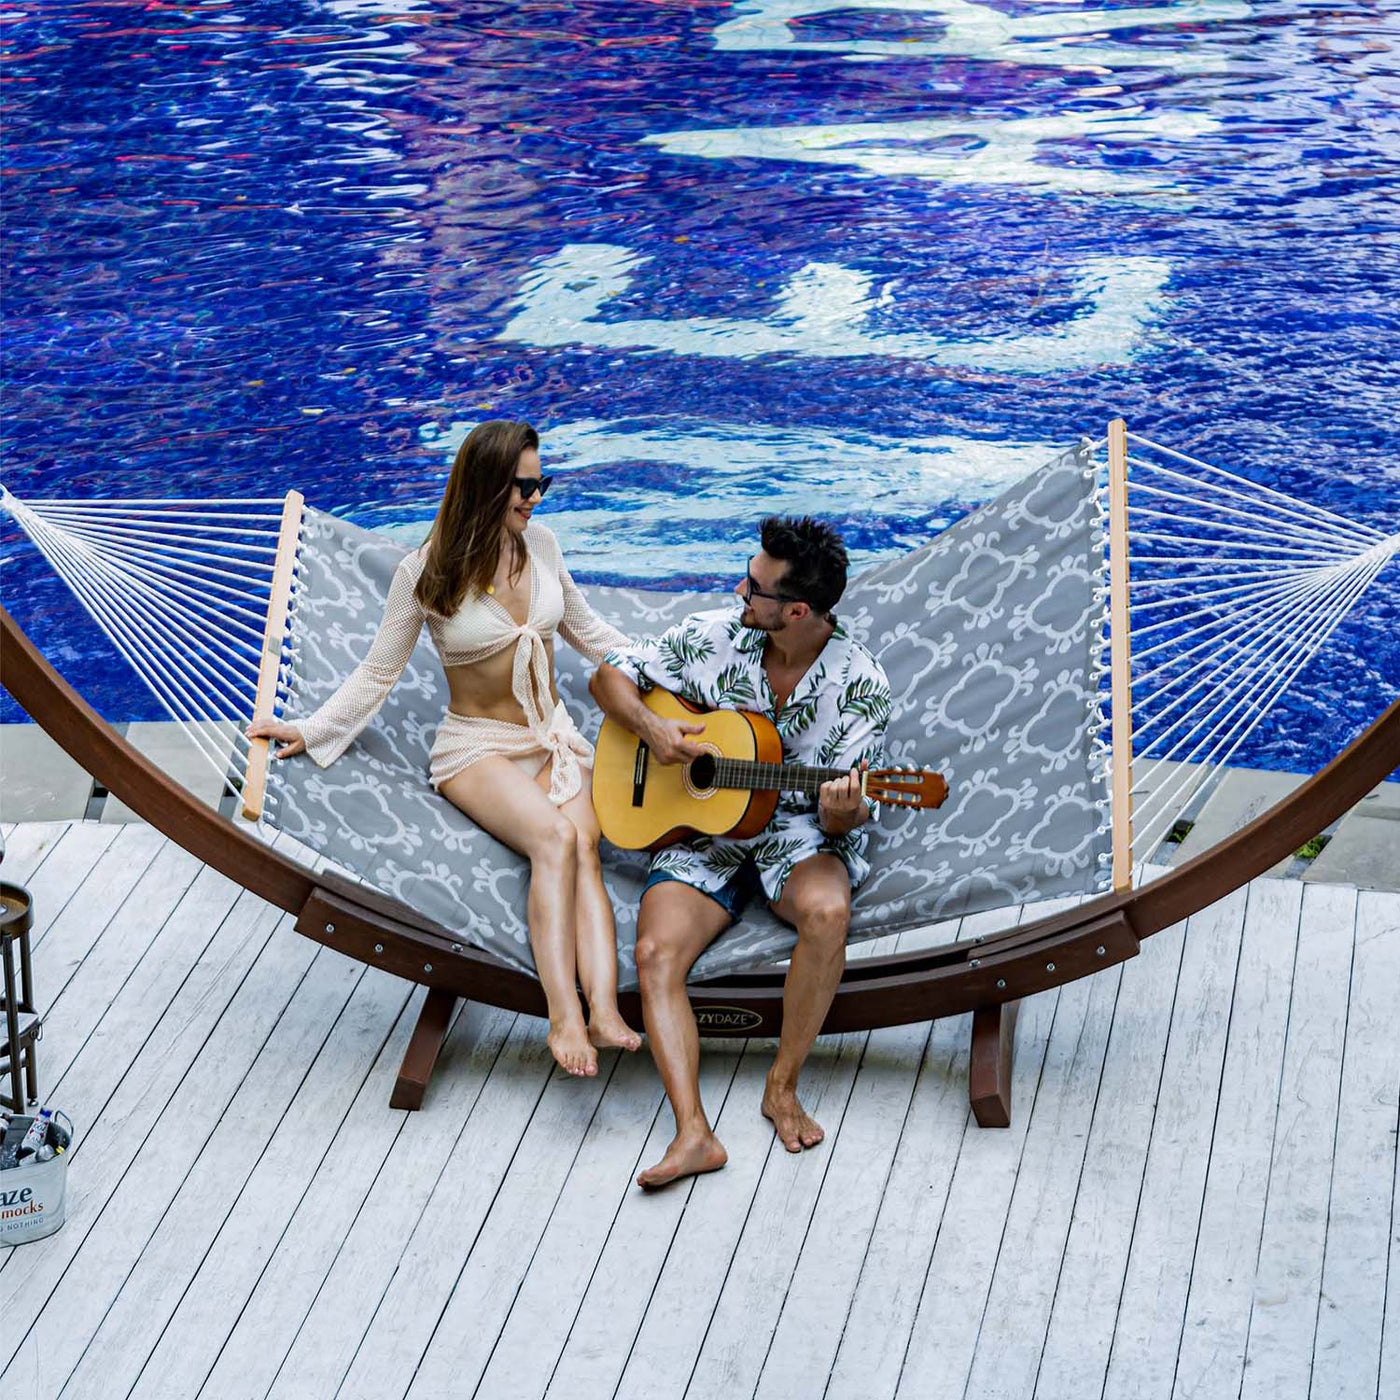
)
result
[(906, 787)]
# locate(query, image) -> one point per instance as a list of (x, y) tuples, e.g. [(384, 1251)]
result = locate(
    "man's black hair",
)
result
[(815, 558)]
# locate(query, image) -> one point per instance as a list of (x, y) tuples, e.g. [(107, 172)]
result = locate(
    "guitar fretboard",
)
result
[(780, 777)]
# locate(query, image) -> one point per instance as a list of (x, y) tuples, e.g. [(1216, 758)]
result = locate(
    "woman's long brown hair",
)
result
[(464, 547)]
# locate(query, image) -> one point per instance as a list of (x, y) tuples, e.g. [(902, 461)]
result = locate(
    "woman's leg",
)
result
[(497, 796), (597, 930)]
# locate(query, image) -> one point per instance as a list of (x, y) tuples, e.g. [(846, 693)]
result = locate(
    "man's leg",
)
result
[(816, 900), (675, 924)]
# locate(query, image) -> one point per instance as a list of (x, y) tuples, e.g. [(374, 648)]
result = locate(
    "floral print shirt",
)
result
[(834, 718)]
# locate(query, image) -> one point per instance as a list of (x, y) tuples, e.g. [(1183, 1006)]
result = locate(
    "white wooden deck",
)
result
[(1197, 1196)]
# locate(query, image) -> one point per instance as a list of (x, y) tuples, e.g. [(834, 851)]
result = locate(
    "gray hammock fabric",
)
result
[(990, 636)]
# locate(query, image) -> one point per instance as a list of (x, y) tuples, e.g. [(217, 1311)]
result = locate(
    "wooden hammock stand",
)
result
[(985, 976)]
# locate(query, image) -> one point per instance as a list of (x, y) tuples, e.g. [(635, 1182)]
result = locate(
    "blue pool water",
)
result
[(729, 258)]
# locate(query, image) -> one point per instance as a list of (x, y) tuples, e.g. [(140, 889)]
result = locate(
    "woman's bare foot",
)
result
[(569, 1044), (795, 1129), (688, 1155), (608, 1031)]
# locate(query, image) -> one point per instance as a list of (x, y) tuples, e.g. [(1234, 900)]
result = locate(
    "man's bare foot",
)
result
[(569, 1044), (795, 1129), (688, 1155), (608, 1031)]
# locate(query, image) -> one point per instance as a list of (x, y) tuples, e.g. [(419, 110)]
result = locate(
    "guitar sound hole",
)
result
[(702, 771)]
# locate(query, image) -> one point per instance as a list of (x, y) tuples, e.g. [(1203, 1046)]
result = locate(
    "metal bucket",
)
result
[(33, 1196)]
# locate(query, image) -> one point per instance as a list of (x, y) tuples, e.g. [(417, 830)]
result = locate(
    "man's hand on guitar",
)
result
[(666, 738), (841, 804)]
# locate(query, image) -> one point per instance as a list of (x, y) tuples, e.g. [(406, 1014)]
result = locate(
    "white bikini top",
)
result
[(481, 627)]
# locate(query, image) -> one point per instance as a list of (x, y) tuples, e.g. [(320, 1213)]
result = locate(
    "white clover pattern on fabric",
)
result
[(990, 636)]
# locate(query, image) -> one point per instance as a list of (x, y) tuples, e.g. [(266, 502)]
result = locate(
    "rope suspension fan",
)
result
[(1221, 591), (1208, 595), (196, 596)]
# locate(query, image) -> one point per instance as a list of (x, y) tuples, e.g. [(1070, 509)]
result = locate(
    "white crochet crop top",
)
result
[(481, 627)]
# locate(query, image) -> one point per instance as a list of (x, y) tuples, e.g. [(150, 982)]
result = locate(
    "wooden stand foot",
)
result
[(993, 1053), (422, 1052)]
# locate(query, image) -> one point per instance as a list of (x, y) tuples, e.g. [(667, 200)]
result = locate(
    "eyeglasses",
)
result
[(528, 485), (752, 591)]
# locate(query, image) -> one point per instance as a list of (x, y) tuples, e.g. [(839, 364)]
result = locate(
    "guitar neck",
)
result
[(779, 777)]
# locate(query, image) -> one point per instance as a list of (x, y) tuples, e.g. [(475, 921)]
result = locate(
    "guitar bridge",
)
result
[(639, 774)]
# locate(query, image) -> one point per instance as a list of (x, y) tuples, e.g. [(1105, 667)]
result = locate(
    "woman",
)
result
[(493, 589)]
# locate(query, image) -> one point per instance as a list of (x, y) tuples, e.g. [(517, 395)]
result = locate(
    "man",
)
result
[(788, 657)]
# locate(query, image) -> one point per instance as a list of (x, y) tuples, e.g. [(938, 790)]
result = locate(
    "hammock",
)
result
[(1075, 726), (994, 637)]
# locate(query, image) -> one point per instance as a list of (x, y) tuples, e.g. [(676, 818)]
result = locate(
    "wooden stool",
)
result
[(23, 1023)]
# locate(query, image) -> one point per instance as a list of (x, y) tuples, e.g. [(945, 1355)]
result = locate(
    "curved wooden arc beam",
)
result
[(966, 976)]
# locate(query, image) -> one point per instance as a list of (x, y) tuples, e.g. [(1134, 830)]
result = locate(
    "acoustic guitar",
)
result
[(730, 790)]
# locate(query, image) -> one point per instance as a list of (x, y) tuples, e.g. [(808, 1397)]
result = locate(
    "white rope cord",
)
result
[(1262, 565), (1248, 694), (1236, 591), (1301, 657), (78, 510), (1353, 538), (1304, 650), (168, 613), (226, 613), (156, 543), (1233, 530), (121, 503), (1234, 661), (182, 571), (1253, 621), (60, 555), (1302, 556), (1262, 571), (1247, 587), (1286, 503), (184, 567), (101, 573), (170, 537), (1247, 680), (165, 619), (1258, 597)]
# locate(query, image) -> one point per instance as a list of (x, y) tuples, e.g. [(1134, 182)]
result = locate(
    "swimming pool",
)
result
[(874, 261)]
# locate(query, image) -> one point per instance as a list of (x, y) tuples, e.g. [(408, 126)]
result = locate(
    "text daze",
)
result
[(16, 1203)]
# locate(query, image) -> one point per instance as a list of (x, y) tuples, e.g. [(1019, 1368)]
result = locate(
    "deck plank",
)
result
[(69, 888), (27, 846), (1011, 1334), (216, 1123), (299, 1331), (869, 1349), (1074, 1357), (1346, 1357), (254, 1167), (943, 1337), (1283, 1323), (1148, 1329), (408, 1314), (1211, 1357), (601, 1179), (81, 1003), (614, 1301), (237, 995), (489, 1280), (818, 1298), (678, 1313), (803, 1348), (747, 1310), (1114, 1242)]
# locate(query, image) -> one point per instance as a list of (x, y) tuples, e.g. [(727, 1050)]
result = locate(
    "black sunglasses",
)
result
[(528, 485), (752, 591)]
